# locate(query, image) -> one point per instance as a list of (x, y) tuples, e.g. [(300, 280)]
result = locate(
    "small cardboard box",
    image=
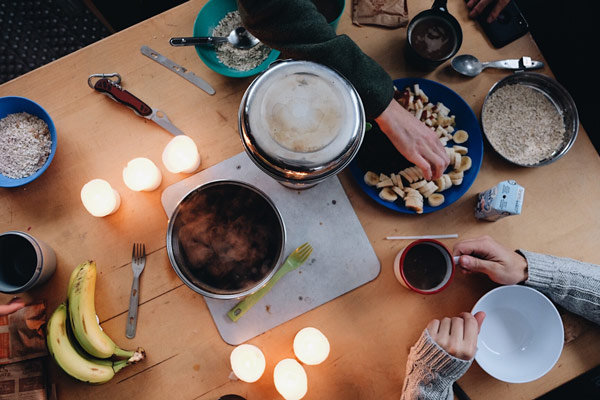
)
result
[(504, 199)]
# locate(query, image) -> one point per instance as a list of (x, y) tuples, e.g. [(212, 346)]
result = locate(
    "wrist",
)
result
[(522, 267)]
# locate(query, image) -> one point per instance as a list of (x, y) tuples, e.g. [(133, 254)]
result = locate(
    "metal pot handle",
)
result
[(440, 5)]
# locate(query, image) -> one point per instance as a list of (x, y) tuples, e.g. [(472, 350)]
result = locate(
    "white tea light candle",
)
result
[(141, 174), (290, 379), (247, 362), (311, 346), (181, 155), (99, 198)]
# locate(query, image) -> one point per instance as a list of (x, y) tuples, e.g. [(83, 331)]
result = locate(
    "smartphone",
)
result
[(508, 27)]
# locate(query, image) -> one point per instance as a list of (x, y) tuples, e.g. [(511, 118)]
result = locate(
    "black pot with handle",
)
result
[(433, 36)]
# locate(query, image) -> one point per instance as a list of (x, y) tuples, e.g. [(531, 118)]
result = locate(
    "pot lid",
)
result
[(301, 120)]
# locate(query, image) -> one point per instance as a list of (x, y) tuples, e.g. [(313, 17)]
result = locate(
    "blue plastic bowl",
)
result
[(15, 104), (206, 21)]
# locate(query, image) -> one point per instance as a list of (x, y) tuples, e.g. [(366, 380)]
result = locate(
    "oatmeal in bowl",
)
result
[(529, 119)]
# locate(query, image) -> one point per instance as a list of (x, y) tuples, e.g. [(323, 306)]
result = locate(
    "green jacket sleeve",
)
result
[(299, 31)]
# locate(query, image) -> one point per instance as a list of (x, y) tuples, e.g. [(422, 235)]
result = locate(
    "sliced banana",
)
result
[(443, 183), (436, 199), (388, 194), (465, 164), (414, 203), (412, 175), (398, 190), (447, 181), (456, 175), (440, 183), (460, 136), (395, 179), (371, 178), (398, 180), (456, 160), (462, 150), (417, 171), (385, 183), (410, 191), (457, 181), (418, 184), (408, 175), (428, 189), (427, 194), (440, 131)]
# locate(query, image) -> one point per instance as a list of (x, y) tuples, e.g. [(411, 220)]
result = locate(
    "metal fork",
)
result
[(294, 260), (138, 262)]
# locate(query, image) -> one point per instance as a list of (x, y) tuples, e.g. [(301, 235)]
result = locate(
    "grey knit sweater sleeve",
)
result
[(431, 371), (573, 284)]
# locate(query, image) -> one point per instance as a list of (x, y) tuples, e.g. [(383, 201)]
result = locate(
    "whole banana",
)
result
[(71, 359), (82, 312)]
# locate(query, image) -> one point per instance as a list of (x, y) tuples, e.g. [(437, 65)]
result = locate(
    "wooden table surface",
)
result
[(371, 328)]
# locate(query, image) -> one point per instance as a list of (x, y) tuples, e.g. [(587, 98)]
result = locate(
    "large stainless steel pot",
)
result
[(225, 239), (301, 122)]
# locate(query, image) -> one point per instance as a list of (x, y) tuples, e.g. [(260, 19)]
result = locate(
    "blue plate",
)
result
[(465, 119), (16, 104), (206, 21)]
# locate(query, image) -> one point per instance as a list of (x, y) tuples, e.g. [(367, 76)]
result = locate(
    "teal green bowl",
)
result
[(206, 21)]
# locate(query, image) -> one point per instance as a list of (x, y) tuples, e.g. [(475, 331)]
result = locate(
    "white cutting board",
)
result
[(343, 258)]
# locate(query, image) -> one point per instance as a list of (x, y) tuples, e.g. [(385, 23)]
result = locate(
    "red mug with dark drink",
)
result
[(425, 266)]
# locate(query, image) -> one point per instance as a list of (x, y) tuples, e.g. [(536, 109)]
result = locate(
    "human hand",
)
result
[(458, 335), (414, 140), (476, 7), (12, 306), (487, 256)]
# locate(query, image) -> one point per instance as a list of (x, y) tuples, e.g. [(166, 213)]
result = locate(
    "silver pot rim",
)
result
[(299, 174), (222, 295)]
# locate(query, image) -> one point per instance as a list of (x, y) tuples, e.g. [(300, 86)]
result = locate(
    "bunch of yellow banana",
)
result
[(75, 338)]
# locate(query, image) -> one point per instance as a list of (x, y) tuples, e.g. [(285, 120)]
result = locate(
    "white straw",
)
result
[(449, 236)]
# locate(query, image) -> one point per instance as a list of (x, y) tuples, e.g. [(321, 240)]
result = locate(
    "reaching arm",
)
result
[(575, 285), (443, 353), (299, 31)]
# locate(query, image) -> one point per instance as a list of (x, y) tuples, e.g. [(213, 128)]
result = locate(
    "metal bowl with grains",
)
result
[(529, 119)]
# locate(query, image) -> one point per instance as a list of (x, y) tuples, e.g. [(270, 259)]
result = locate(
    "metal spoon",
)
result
[(239, 37), (470, 66)]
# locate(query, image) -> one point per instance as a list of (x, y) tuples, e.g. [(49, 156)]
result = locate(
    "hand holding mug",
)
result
[(487, 256)]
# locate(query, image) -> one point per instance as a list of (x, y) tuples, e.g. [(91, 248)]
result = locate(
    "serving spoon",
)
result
[(239, 37), (469, 65)]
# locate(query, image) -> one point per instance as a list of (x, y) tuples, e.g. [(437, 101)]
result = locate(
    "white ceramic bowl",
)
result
[(522, 335)]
